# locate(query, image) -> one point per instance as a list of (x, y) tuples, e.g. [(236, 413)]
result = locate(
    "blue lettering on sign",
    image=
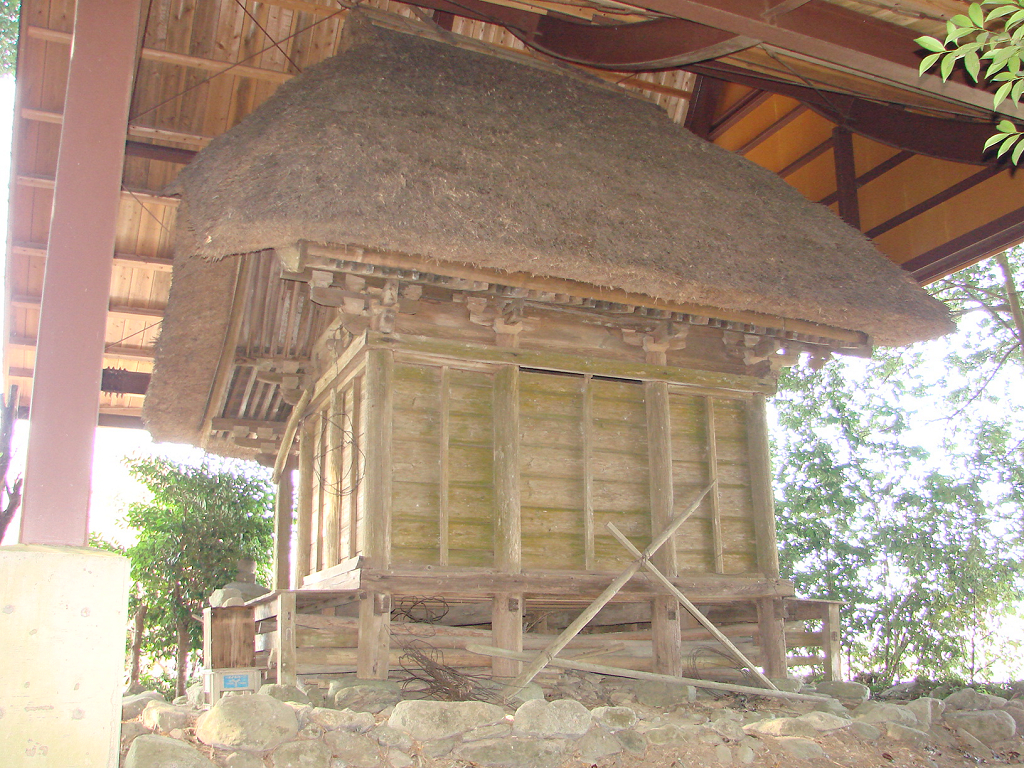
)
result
[(234, 682)]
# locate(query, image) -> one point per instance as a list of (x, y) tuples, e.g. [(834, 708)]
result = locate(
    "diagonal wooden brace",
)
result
[(685, 602), (602, 600)]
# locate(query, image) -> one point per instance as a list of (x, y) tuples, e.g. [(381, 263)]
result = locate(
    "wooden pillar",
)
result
[(375, 607), (333, 470), (718, 548), (304, 523), (283, 530), (767, 547), (587, 428), (846, 176), (76, 281), (831, 642), (285, 639), (771, 625), (444, 473), (507, 607), (664, 610)]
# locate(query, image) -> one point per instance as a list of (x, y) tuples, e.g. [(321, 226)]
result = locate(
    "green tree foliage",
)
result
[(923, 537), (198, 522), (989, 35), (9, 12)]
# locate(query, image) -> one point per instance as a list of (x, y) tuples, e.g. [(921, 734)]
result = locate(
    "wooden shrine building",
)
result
[(487, 307)]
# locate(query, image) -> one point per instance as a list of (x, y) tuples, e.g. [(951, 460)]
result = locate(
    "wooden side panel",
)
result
[(692, 469), (551, 471), (620, 476), (350, 469)]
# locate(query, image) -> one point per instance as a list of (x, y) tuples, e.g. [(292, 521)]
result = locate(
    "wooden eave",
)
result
[(773, 85)]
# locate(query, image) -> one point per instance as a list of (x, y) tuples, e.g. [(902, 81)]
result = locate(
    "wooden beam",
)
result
[(804, 159), (587, 429), (945, 195), (374, 652), (136, 131), (212, 66), (507, 517), (761, 492), (846, 176), (831, 642), (304, 522), (507, 633), (771, 622), (252, 425), (36, 181), (123, 382), (737, 111), (997, 235), (159, 152), (870, 175), (444, 440), (285, 640), (334, 472), (32, 302), (38, 250), (717, 547), (772, 129), (700, 112), (378, 465), (283, 532)]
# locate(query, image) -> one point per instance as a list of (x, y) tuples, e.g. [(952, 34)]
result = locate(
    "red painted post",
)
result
[(76, 284)]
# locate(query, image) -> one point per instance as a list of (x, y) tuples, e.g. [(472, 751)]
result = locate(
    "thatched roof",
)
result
[(414, 146)]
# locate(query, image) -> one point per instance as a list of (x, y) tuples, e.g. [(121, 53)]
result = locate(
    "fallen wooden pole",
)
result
[(685, 602), (582, 666), (541, 660)]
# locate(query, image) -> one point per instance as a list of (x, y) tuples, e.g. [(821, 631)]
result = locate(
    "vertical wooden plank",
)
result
[(443, 474), (761, 487), (664, 610), (332, 481), (283, 531), (718, 556), (507, 608), (304, 524), (830, 639), (507, 633), (356, 467), (374, 649), (771, 625), (286, 655), (507, 523), (379, 404), (587, 426), (229, 637)]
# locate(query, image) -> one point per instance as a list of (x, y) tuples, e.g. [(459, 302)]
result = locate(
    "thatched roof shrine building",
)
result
[(501, 306)]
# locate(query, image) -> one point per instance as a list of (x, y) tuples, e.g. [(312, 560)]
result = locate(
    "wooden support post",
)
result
[(285, 639), (316, 555), (304, 523), (716, 506), (830, 640), (664, 610), (771, 625), (443, 470), (846, 176), (283, 531), (333, 480), (761, 488), (588, 473), (353, 467), (374, 650), (229, 637), (379, 404), (507, 633), (507, 608)]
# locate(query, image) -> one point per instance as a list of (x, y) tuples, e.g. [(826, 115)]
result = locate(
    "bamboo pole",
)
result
[(544, 657), (685, 602), (486, 650)]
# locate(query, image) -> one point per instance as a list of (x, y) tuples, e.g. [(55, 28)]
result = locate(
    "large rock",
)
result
[(801, 749), (132, 706), (564, 718), (283, 692), (619, 718), (596, 745), (513, 753), (429, 720), (663, 695), (302, 754), (806, 726), (353, 749), (251, 723), (341, 719), (162, 752), (875, 713), (971, 700), (1017, 713), (243, 760), (848, 693), (163, 717), (987, 726), (927, 710), (364, 695), (900, 732)]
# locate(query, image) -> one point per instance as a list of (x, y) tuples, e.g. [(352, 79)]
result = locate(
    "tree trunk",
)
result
[(1012, 298), (140, 624), (182, 660)]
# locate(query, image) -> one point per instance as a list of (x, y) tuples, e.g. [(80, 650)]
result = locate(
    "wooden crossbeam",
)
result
[(111, 350), (36, 181), (33, 302), (38, 250), (544, 657)]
